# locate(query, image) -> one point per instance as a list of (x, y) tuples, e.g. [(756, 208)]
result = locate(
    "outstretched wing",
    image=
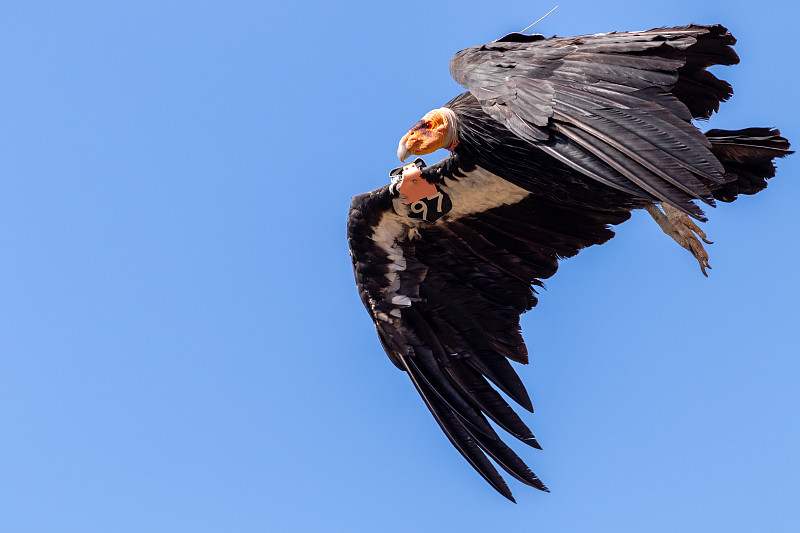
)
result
[(446, 298), (617, 107)]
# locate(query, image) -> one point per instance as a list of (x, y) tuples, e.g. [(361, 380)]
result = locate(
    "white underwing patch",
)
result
[(390, 231), (479, 191)]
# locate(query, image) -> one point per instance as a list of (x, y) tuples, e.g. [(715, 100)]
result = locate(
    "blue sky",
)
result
[(181, 344)]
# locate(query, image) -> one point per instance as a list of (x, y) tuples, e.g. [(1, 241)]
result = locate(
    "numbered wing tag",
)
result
[(432, 207), (425, 200)]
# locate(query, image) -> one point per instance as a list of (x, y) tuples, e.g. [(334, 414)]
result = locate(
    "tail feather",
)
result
[(747, 156)]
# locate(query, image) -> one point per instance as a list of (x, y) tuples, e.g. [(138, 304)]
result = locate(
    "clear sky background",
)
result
[(182, 348)]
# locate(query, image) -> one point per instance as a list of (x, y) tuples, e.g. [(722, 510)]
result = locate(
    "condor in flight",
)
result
[(554, 141)]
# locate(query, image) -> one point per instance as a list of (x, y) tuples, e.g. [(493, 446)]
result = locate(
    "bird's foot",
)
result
[(683, 230)]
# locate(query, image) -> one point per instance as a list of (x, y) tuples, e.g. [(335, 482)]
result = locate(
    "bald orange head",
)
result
[(435, 130)]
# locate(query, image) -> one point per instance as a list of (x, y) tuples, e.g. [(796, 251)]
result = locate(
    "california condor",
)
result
[(555, 141)]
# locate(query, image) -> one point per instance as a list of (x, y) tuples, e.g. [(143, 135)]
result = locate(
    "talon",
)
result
[(703, 266), (683, 230)]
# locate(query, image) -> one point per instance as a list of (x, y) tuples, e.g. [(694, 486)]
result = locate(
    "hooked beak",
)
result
[(403, 152)]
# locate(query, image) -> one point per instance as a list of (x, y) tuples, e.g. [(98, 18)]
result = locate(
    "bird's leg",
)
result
[(680, 227)]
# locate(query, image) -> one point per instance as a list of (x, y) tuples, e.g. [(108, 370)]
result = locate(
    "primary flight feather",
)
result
[(555, 141)]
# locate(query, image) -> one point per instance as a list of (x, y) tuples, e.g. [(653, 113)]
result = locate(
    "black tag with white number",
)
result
[(432, 207)]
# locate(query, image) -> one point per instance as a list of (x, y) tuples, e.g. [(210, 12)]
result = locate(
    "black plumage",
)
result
[(557, 141)]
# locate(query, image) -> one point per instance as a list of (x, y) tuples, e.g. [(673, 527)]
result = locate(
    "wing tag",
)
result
[(425, 200), (432, 207), (414, 187)]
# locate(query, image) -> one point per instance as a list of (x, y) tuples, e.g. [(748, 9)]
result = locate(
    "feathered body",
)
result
[(555, 141)]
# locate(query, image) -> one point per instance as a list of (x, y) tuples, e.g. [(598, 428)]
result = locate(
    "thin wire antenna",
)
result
[(538, 21)]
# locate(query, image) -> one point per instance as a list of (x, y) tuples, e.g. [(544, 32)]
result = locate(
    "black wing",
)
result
[(446, 298), (617, 107)]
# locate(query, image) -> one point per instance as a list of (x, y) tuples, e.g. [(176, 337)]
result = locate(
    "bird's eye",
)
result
[(428, 125)]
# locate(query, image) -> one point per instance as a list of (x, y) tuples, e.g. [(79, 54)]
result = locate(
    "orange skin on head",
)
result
[(427, 135)]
